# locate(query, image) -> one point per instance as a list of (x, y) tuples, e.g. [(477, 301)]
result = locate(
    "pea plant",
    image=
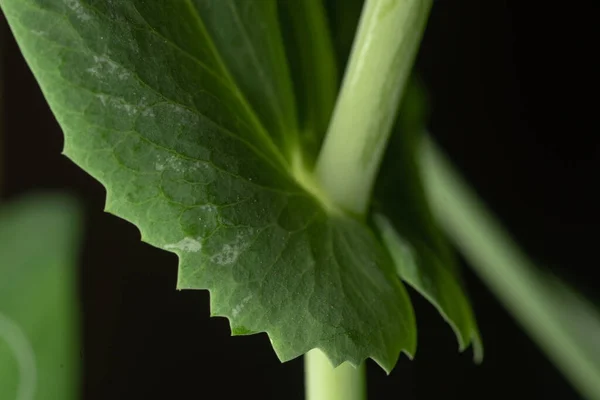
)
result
[(290, 173)]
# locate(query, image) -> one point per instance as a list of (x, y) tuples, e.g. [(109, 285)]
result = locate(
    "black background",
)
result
[(513, 102)]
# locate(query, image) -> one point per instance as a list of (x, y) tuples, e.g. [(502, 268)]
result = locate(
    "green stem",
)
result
[(383, 53), (382, 56), (564, 324), (323, 382)]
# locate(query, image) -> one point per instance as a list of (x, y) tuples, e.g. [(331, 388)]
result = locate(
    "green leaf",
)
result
[(155, 105), (246, 41), (311, 57), (38, 333), (565, 325), (421, 255)]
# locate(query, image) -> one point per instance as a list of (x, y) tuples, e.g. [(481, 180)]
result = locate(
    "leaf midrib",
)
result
[(282, 163), (260, 129), (258, 65), (280, 166)]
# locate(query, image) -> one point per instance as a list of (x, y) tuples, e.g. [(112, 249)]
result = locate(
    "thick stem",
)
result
[(323, 382), (383, 53)]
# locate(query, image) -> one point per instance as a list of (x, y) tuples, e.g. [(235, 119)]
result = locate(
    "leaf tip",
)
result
[(478, 350)]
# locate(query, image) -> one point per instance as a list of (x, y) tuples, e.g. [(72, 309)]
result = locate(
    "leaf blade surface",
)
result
[(422, 256), (149, 110)]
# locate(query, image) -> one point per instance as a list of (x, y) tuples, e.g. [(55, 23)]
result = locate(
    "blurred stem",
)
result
[(323, 382), (386, 42), (564, 324), (2, 39)]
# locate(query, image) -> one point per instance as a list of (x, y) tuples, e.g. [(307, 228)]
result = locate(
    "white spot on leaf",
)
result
[(236, 310), (178, 164), (227, 255), (188, 245), (148, 113), (104, 66), (116, 103), (231, 251), (175, 163), (104, 99), (78, 9)]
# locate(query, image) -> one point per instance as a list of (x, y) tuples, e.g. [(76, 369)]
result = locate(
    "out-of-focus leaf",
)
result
[(565, 325), (421, 254), (39, 347)]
